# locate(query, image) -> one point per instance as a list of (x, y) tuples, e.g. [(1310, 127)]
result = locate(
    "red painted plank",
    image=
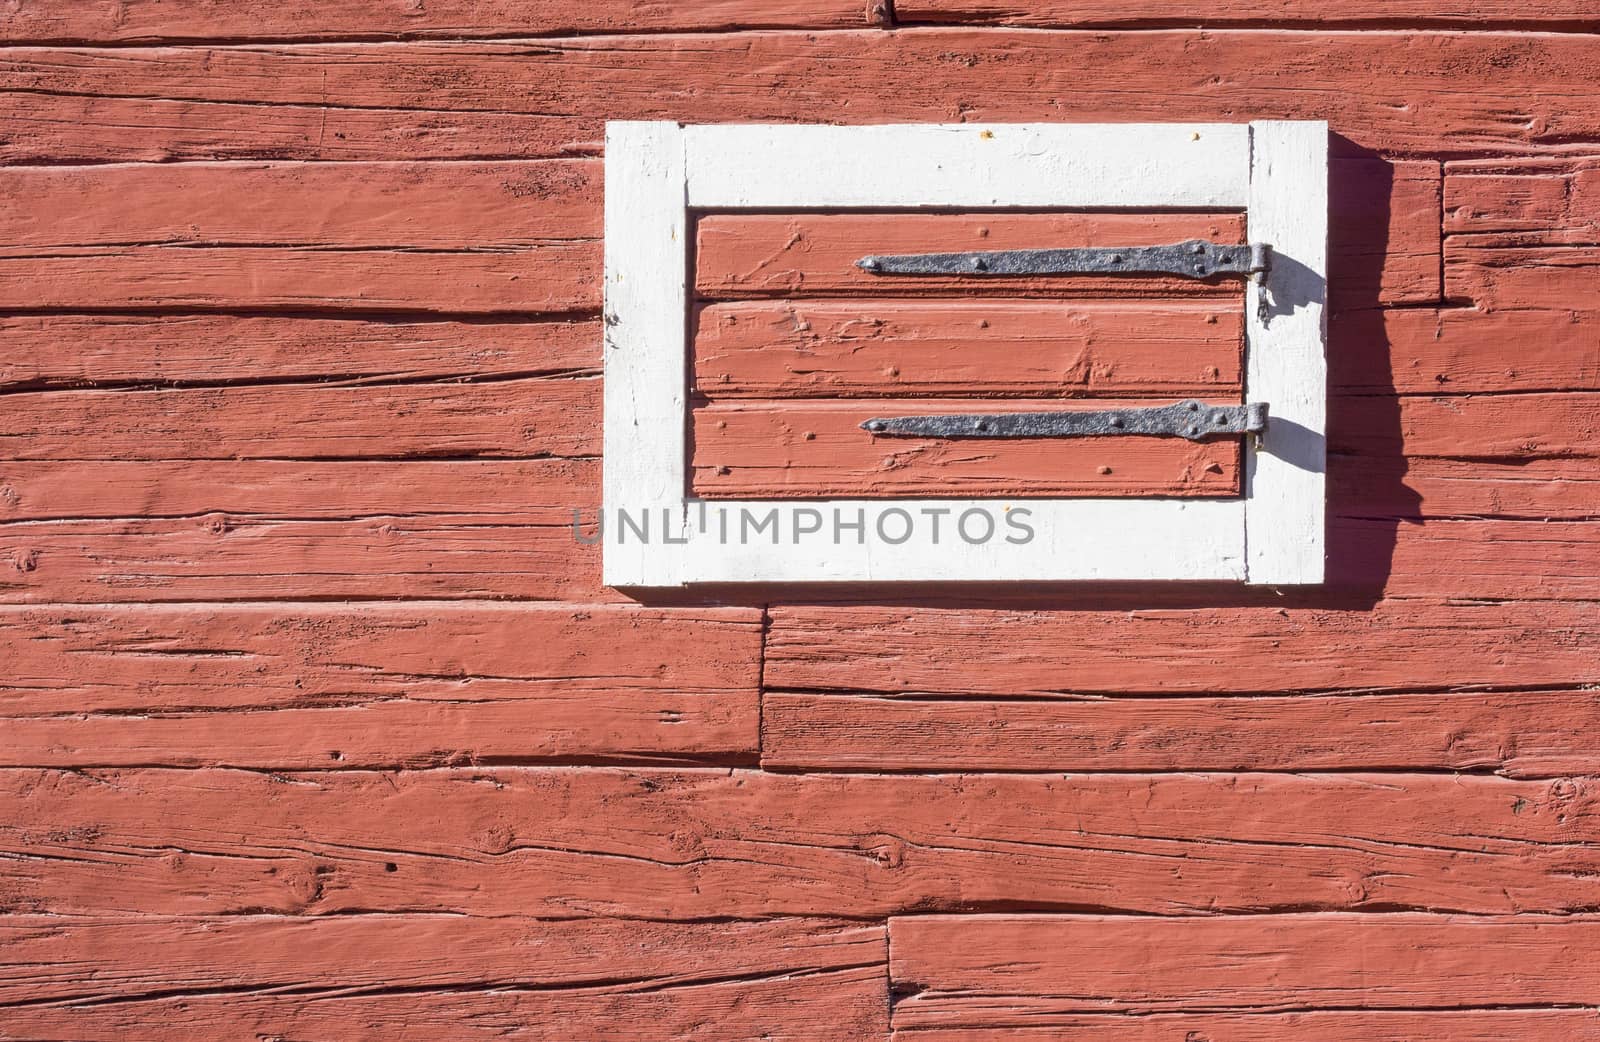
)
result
[(1027, 970), (1044, 13), (1418, 93), (456, 237), (1424, 487), (1394, 645), (810, 254), (1523, 237), (551, 278), (563, 842), (1522, 734), (462, 237), (810, 449), (1384, 240), (1510, 427), (536, 491), (530, 554), (119, 21), (1554, 198), (74, 350), (306, 686), (419, 977), (1464, 350), (878, 348), (511, 418), (1461, 558), (1473, 1025), (433, 206)]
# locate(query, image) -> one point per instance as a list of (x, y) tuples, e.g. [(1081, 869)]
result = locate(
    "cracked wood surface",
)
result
[(577, 842), (410, 976), (321, 725), (320, 685), (1516, 733), (1405, 93), (972, 972)]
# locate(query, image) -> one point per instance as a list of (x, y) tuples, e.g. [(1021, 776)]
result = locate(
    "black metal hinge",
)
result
[(1195, 259), (1186, 419)]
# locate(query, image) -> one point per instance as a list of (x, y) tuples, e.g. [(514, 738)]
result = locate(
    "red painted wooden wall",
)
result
[(319, 725)]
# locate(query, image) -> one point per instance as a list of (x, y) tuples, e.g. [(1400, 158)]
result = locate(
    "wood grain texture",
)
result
[(560, 842), (1396, 488), (1464, 350), (1473, 1025), (879, 348), (1384, 239), (1523, 237), (145, 21), (966, 972), (457, 237), (815, 254), (805, 449), (148, 530), (1481, 427), (419, 976), (377, 685), (208, 349), (1392, 646), (1521, 734), (507, 418), (1403, 93), (1049, 13)]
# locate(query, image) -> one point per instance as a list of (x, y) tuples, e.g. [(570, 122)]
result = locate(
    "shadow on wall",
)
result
[(1360, 545)]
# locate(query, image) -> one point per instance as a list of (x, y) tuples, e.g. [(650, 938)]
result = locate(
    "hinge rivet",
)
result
[(979, 264)]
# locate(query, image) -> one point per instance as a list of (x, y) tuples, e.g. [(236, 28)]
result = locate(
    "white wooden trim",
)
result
[(646, 295), (1285, 355), (1147, 165), (1073, 539), (656, 173)]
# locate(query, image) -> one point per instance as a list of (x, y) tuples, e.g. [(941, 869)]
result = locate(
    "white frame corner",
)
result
[(658, 174)]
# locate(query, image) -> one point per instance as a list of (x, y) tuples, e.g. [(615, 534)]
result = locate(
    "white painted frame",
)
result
[(658, 174)]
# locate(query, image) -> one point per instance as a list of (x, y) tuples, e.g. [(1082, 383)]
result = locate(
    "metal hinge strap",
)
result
[(1195, 259), (1190, 419)]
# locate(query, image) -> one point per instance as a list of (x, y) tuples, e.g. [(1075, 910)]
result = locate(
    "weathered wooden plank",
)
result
[(440, 207), (807, 449), (1473, 1025), (1417, 93), (1521, 734), (815, 254), (1466, 558), (462, 237), (535, 491), (550, 278), (1393, 646), (511, 418), (1464, 350), (878, 348), (966, 972), (1524, 237), (1050, 13), (1506, 427), (1499, 272), (377, 685), (79, 350), (712, 843), (141, 21), (218, 556), (1553, 198), (420, 976), (1384, 240), (1423, 487)]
